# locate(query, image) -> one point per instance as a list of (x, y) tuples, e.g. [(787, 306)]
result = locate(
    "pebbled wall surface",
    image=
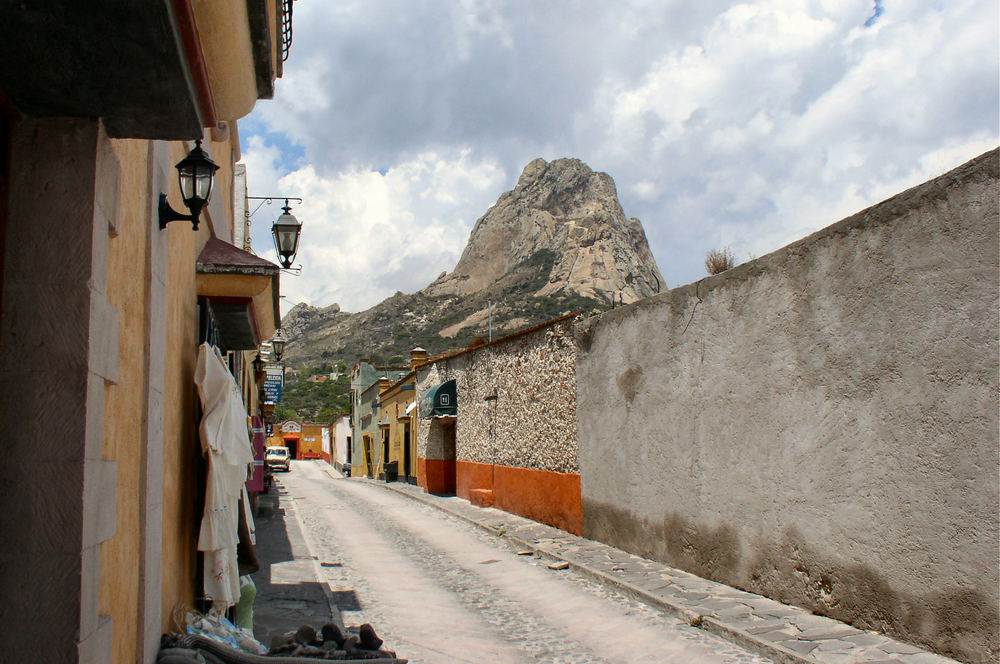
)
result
[(516, 401), (819, 425)]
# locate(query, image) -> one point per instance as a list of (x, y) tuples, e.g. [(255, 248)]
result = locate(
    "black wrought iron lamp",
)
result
[(258, 364), (195, 174), (286, 231), (278, 345)]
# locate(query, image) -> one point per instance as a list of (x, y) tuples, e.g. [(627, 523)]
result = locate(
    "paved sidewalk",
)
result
[(786, 634), (290, 592)]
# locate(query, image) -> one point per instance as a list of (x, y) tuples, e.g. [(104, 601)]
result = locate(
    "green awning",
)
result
[(439, 401)]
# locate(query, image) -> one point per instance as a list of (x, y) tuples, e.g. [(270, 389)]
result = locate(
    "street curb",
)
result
[(706, 621)]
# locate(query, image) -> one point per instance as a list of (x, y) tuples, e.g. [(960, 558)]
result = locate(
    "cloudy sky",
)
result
[(741, 124)]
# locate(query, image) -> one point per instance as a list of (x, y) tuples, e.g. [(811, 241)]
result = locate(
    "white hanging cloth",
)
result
[(226, 444)]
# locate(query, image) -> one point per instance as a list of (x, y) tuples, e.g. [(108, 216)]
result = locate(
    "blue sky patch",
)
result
[(879, 9), (293, 155)]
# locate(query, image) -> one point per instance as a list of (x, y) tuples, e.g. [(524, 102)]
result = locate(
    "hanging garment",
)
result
[(246, 553), (226, 445)]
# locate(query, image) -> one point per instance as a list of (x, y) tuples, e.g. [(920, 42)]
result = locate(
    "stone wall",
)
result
[(819, 425), (515, 432), (516, 401), (518, 404)]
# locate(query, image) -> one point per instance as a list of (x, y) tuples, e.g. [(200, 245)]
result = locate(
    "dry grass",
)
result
[(719, 260)]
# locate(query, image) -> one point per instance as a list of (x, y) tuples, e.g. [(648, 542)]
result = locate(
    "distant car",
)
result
[(277, 458)]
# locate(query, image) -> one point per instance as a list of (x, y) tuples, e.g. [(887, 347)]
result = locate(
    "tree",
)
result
[(719, 260)]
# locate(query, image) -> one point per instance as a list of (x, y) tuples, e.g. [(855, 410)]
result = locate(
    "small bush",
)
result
[(719, 260)]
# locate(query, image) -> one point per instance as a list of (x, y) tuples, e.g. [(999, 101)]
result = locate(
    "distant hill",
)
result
[(558, 242)]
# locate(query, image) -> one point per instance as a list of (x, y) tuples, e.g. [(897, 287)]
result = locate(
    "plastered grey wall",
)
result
[(516, 402), (819, 425)]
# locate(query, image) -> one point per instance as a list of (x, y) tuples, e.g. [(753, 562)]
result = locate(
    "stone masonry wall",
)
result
[(516, 402), (819, 425)]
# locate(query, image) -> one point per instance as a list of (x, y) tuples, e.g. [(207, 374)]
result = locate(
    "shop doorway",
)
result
[(445, 481)]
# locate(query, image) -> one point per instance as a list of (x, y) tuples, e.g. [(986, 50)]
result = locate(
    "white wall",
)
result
[(341, 433)]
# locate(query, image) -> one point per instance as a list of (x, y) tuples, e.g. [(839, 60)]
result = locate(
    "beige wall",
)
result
[(182, 450), (124, 402), (819, 425), (149, 414)]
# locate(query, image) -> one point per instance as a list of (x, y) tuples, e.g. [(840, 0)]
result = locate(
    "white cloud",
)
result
[(366, 234), (746, 124)]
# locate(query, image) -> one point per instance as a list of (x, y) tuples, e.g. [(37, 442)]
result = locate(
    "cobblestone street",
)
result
[(438, 589)]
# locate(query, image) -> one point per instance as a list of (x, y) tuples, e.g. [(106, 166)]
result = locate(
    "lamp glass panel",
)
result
[(203, 181), (286, 238), (186, 178), (286, 231)]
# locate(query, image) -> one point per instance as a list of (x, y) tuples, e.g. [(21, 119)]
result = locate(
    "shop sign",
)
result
[(274, 379)]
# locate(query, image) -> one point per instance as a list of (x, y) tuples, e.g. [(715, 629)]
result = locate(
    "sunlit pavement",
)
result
[(783, 633), (439, 589), (445, 581)]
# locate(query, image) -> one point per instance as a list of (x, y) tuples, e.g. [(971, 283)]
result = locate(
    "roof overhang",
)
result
[(244, 293), (158, 69)]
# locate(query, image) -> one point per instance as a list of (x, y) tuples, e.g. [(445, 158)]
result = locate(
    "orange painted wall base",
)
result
[(541, 495), (481, 497), (436, 475)]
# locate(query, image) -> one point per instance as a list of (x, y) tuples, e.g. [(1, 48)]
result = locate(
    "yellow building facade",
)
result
[(102, 311), (304, 440), (396, 435), (397, 427)]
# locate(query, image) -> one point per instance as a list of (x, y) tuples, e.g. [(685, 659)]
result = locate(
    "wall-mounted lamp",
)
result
[(278, 345), (258, 364), (195, 173)]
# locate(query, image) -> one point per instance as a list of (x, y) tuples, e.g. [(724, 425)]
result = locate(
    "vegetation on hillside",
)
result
[(387, 332), (315, 402)]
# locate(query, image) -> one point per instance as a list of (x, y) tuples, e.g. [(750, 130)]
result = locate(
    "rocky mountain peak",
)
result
[(557, 242), (568, 209)]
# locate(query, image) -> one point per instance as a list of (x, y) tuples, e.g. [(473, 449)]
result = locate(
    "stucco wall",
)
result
[(343, 432), (183, 471), (124, 402), (819, 425), (58, 500)]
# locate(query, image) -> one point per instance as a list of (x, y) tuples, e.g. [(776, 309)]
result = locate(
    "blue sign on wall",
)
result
[(273, 381)]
